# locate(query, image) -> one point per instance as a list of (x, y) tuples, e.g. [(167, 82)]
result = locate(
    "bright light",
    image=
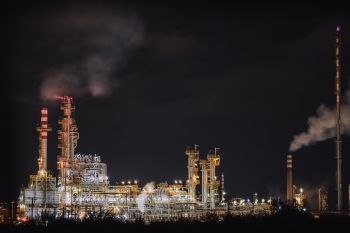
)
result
[(135, 181), (263, 200), (301, 190), (180, 181), (175, 181), (123, 182), (129, 182)]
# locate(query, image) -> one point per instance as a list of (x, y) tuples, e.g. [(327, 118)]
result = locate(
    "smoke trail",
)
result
[(141, 198), (98, 45), (322, 126)]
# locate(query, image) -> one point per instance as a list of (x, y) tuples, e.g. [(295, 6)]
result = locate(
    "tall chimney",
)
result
[(43, 130), (338, 119), (289, 178)]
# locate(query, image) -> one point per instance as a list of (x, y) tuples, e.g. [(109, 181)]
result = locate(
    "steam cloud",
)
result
[(141, 198), (98, 47), (322, 126)]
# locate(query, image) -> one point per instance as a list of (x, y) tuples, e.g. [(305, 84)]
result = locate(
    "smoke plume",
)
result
[(93, 48), (322, 126)]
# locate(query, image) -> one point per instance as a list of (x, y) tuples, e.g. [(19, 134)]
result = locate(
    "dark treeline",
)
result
[(283, 222)]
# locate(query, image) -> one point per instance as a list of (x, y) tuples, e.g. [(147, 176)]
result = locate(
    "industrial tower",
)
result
[(68, 138), (214, 161), (43, 130), (193, 178), (205, 169), (338, 118), (40, 196)]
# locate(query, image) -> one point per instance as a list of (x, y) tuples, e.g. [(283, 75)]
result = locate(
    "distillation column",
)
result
[(338, 119), (68, 137), (289, 179), (205, 169), (223, 187), (214, 161), (193, 157), (43, 130)]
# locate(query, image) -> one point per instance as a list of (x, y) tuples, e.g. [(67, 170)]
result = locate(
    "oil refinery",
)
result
[(83, 188)]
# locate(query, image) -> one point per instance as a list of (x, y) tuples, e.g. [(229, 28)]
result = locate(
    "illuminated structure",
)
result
[(67, 142), (241, 207), (83, 189), (205, 170), (40, 197), (43, 132), (223, 193), (322, 199), (299, 198), (214, 161), (4, 213), (193, 178), (338, 119)]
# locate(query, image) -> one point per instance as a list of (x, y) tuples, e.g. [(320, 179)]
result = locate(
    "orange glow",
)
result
[(63, 97), (23, 219)]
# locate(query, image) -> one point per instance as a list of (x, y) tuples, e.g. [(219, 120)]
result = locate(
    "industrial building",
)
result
[(82, 188)]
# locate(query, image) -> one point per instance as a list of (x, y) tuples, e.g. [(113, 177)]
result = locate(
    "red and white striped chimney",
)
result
[(43, 132)]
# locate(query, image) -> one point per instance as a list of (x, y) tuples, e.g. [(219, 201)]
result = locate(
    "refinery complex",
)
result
[(81, 189)]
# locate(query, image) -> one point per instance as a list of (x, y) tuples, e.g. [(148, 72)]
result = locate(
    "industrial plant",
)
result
[(83, 190)]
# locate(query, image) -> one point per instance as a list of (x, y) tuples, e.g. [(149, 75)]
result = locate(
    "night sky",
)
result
[(149, 80)]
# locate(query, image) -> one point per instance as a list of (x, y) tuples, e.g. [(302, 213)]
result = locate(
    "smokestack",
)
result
[(338, 118), (43, 130), (289, 179)]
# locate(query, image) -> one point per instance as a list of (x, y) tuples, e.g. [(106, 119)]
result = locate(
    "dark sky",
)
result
[(149, 80)]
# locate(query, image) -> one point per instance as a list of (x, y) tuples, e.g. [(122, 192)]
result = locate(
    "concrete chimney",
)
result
[(289, 178)]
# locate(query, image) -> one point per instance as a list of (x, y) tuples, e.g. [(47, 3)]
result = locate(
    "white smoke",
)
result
[(94, 47), (141, 198), (322, 126)]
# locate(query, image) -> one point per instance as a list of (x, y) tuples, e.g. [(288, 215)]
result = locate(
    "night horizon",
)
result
[(148, 81)]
